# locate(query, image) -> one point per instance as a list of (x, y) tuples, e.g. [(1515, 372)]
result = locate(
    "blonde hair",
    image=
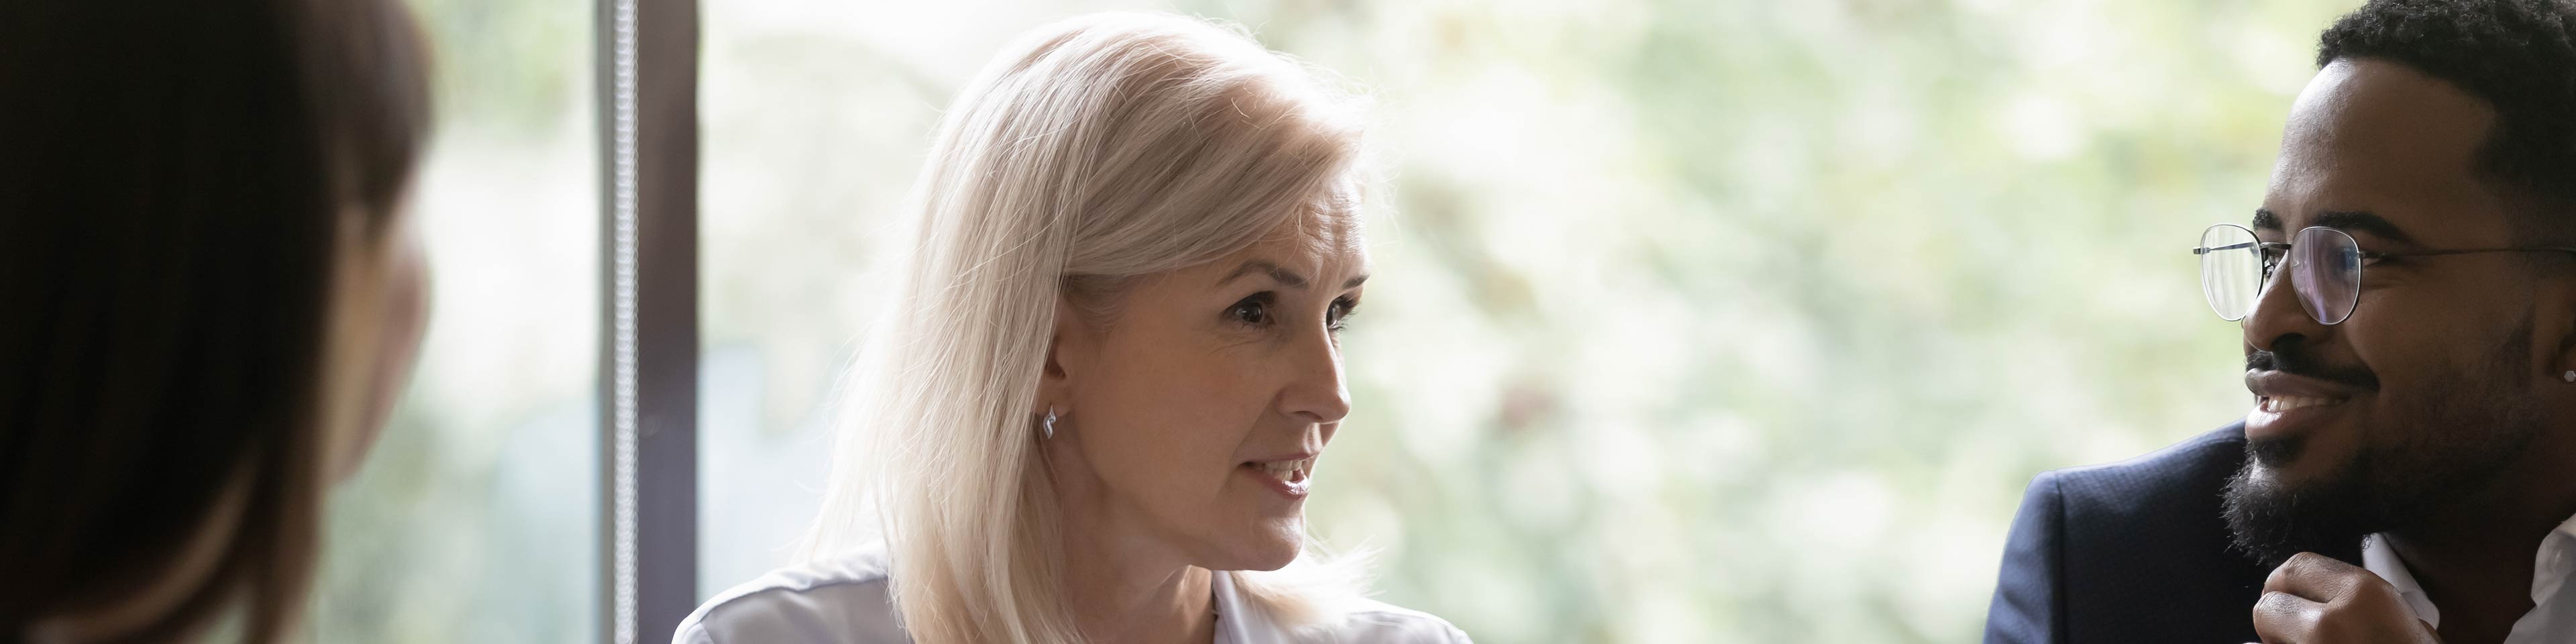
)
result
[(1091, 152)]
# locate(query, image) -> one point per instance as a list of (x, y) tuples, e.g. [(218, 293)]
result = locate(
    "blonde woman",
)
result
[(1110, 369)]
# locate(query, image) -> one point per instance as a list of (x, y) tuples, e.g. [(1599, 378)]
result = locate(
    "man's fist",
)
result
[(2314, 599)]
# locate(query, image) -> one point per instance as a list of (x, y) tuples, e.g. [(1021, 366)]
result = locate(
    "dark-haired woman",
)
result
[(208, 296)]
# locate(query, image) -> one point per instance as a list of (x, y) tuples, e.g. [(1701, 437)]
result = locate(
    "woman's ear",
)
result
[(1068, 347), (405, 318)]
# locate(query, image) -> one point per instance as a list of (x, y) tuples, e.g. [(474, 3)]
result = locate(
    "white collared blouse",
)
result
[(845, 601)]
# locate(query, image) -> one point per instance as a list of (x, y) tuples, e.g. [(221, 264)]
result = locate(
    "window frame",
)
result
[(646, 73)]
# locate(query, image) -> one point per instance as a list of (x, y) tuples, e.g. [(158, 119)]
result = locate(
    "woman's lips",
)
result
[(1289, 477)]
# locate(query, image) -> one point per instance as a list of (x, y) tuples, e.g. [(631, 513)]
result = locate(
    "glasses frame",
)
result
[(2272, 263)]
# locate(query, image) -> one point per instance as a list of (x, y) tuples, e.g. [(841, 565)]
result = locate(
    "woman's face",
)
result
[(379, 306), (1192, 417)]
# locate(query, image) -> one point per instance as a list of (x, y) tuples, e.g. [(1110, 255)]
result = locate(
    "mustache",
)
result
[(2292, 357)]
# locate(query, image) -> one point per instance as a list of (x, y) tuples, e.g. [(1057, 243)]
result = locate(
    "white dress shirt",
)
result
[(2553, 609), (845, 601)]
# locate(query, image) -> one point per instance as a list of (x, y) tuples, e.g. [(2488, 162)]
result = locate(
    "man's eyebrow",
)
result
[(1278, 274), (2344, 220), (2362, 221), (1354, 282)]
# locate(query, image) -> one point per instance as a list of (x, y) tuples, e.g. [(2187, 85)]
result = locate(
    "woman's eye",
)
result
[(1253, 310), (1340, 315)]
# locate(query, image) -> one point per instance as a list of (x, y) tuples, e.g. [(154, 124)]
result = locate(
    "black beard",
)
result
[(2454, 442), (2269, 522)]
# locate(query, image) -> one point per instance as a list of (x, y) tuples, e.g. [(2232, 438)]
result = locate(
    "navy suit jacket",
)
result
[(2135, 551)]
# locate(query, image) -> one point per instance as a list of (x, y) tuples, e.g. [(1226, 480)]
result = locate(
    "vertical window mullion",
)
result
[(648, 77)]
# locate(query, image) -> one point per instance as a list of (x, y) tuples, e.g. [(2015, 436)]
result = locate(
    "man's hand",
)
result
[(2314, 599)]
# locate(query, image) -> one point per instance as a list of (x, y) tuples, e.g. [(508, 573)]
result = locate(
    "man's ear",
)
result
[(2556, 326), (1068, 349)]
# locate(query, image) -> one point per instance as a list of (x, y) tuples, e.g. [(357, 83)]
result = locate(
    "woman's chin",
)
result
[(1270, 546)]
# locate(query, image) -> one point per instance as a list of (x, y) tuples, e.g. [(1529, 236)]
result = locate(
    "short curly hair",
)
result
[(2517, 55)]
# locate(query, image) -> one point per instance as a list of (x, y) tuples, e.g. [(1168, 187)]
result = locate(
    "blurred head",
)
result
[(2432, 126), (212, 299), (1146, 223)]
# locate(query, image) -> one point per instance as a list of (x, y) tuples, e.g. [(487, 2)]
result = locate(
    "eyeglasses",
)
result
[(2325, 269)]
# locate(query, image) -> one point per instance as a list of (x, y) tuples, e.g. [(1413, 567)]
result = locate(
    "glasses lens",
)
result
[(2325, 266), (2231, 270)]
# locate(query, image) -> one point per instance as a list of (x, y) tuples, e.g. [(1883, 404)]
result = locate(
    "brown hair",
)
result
[(173, 181)]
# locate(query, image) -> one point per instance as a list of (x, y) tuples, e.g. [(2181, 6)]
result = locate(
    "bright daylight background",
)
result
[(1692, 320), (476, 517)]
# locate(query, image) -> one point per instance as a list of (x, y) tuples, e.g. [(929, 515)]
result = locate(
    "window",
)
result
[(476, 516)]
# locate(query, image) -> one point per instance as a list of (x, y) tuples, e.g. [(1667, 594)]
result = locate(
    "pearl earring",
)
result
[(2571, 376), (1049, 423)]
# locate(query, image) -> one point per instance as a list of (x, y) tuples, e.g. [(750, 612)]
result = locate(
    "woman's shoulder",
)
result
[(1368, 620), (841, 600)]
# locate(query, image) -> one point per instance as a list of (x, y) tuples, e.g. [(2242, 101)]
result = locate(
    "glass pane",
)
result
[(476, 516), (810, 134)]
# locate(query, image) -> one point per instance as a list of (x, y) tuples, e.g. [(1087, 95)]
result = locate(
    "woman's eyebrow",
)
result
[(1277, 273), (1281, 275)]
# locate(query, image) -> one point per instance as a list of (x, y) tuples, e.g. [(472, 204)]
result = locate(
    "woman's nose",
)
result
[(1316, 391)]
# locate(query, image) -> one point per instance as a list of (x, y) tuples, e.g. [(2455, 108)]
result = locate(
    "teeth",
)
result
[(2278, 404), (1290, 471)]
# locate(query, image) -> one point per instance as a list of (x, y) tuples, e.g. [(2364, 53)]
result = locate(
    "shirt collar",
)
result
[(2381, 559), (1237, 623), (2549, 570), (2557, 558)]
